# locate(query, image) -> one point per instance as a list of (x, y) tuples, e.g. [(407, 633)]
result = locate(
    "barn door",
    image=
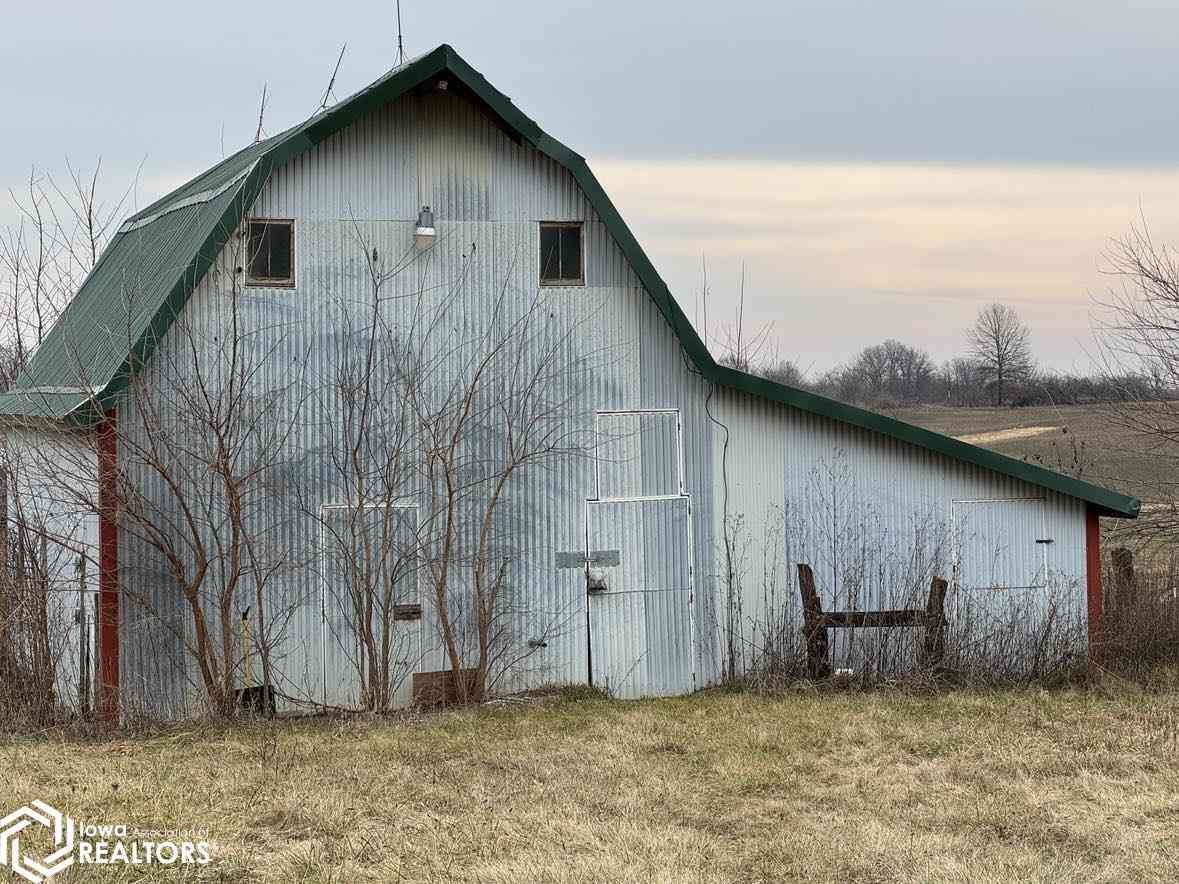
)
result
[(639, 584), (1001, 574), (1000, 544), (369, 577), (71, 583), (639, 556)]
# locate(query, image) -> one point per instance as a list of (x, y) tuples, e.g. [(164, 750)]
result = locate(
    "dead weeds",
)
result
[(1079, 783)]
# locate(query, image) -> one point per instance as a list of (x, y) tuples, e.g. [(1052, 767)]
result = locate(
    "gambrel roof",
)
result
[(154, 262)]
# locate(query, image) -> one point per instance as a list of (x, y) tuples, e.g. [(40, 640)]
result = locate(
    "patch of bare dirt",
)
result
[(993, 437)]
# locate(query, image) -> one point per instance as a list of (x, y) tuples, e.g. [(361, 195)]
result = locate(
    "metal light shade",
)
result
[(424, 233)]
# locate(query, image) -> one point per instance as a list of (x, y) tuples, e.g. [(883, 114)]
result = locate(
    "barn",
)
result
[(393, 404)]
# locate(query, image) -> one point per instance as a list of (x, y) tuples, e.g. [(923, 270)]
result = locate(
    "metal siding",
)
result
[(801, 486), (32, 458), (995, 543), (488, 193), (339, 539), (637, 454), (641, 626)]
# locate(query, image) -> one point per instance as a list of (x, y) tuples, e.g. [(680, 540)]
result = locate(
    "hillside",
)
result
[(1079, 440)]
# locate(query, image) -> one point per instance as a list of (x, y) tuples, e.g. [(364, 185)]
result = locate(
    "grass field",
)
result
[(1078, 784), (1106, 453)]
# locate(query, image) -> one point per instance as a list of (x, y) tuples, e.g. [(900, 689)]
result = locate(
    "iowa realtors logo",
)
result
[(20, 861), (89, 844)]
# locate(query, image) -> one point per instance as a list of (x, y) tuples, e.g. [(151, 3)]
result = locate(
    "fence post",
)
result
[(1125, 582), (83, 643), (818, 657), (934, 649)]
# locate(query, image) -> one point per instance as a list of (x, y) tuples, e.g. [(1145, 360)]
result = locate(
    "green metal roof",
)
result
[(152, 265)]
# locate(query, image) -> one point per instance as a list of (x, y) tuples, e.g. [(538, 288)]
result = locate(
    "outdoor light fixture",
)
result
[(424, 233)]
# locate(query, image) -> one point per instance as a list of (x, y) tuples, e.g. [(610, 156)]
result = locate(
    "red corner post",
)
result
[(1093, 580), (108, 571)]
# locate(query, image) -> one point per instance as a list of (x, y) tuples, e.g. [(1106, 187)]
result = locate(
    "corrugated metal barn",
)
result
[(653, 550)]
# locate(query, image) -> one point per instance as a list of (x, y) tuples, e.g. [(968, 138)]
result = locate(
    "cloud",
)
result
[(840, 255)]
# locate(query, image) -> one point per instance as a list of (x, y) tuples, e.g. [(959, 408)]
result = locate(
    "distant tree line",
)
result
[(996, 369)]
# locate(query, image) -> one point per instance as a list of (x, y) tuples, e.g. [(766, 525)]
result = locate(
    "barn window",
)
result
[(271, 253), (561, 254), (639, 454)]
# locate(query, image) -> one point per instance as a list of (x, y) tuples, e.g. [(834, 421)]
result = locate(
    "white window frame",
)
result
[(270, 282), (679, 452)]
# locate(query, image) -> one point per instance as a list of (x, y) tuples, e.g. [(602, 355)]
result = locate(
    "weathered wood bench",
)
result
[(816, 622)]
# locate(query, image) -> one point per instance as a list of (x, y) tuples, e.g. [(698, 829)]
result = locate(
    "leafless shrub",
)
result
[(1000, 343), (202, 439), (1138, 338), (865, 562), (1023, 635), (1141, 622), (26, 664), (38, 609), (63, 223)]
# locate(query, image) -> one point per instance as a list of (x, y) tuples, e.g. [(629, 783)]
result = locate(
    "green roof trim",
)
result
[(201, 215), (1108, 503)]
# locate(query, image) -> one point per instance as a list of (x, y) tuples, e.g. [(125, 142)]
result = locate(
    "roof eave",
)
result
[(1106, 502)]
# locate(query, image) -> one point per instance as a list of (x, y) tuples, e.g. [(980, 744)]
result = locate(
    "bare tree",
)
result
[(432, 424), (910, 371), (1139, 337), (449, 401), (202, 431), (1001, 344), (741, 348), (489, 409), (62, 224), (889, 373), (26, 662), (45, 592), (963, 381), (370, 530), (785, 372), (60, 231)]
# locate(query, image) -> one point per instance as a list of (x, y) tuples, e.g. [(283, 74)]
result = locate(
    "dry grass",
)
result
[(1078, 784)]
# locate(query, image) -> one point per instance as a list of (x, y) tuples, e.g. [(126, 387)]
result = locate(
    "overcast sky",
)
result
[(881, 168)]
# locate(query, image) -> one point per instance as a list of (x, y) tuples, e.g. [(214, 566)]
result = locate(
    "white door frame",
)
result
[(681, 495)]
